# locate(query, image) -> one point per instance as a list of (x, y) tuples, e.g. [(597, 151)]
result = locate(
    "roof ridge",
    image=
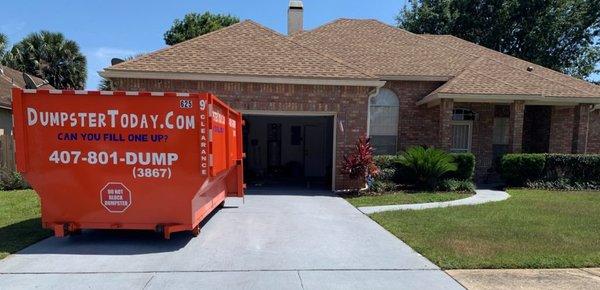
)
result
[(317, 52), (317, 28), (505, 64), (147, 55)]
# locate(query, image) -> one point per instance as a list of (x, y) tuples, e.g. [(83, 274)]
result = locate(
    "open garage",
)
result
[(289, 150)]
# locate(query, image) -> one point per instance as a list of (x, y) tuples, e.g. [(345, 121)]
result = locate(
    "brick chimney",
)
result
[(295, 17)]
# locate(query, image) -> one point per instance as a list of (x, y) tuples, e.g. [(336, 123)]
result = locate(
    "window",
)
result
[(383, 121), (462, 130)]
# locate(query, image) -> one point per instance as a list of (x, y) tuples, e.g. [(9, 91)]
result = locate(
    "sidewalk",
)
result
[(481, 196), (586, 278)]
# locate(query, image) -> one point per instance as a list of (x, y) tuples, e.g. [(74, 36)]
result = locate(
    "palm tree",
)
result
[(50, 56), (3, 42)]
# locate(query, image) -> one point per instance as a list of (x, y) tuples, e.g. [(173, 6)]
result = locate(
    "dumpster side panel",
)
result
[(114, 161), (131, 160)]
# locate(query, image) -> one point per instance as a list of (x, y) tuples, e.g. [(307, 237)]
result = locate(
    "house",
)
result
[(308, 96), (10, 78)]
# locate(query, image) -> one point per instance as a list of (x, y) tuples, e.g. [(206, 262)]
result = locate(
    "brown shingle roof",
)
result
[(245, 49), (387, 51), (384, 50), (473, 81), (498, 78), (517, 63), (10, 78), (351, 49)]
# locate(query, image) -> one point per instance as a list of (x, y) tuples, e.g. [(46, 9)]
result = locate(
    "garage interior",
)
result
[(288, 151)]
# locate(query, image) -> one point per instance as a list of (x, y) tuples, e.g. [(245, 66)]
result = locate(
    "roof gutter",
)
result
[(433, 99), (239, 78)]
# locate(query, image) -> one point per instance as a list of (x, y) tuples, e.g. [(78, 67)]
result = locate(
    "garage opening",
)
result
[(288, 151)]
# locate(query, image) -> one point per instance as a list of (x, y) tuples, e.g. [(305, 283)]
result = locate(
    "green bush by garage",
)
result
[(552, 171)]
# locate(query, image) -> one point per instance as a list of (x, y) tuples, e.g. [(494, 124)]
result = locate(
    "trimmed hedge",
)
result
[(517, 169), (553, 170), (466, 166)]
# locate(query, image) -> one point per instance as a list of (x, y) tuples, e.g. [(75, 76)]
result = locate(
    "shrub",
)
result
[(387, 174), (359, 164), (552, 171), (388, 167), (563, 184), (465, 163), (386, 161), (12, 180), (380, 186), (456, 185), (425, 166), (574, 168), (518, 169)]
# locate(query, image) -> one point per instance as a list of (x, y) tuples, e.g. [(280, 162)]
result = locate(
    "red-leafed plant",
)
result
[(359, 164)]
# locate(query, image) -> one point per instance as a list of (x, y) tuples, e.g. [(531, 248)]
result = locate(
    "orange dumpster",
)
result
[(127, 160)]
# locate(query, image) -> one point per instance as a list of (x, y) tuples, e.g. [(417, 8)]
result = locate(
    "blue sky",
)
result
[(119, 28)]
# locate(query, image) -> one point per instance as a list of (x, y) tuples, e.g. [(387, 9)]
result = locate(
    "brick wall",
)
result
[(594, 137), (418, 125), (561, 129), (349, 103)]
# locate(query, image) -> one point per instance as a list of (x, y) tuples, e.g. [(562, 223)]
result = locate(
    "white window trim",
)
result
[(469, 123)]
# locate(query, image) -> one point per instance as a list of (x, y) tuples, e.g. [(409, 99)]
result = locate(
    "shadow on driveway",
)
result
[(109, 242)]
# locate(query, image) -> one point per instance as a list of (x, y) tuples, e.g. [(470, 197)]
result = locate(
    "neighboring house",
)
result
[(10, 78), (307, 97)]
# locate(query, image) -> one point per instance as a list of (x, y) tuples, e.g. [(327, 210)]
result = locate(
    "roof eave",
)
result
[(532, 99), (109, 73)]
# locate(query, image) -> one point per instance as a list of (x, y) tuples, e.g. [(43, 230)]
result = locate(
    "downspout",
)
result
[(372, 94)]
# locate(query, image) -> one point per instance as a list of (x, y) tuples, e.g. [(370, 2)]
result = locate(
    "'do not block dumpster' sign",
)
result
[(115, 197)]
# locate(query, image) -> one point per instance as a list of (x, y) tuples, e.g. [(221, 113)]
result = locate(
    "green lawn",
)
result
[(20, 223), (532, 229), (405, 198)]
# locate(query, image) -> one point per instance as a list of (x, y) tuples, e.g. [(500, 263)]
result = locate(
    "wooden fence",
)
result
[(7, 151)]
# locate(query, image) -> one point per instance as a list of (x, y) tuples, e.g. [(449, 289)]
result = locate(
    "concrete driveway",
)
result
[(277, 239)]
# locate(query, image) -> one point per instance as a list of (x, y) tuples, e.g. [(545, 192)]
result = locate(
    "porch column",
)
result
[(445, 125), (515, 138), (581, 123)]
